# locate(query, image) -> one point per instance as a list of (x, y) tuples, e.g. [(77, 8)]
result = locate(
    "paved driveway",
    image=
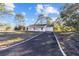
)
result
[(42, 45)]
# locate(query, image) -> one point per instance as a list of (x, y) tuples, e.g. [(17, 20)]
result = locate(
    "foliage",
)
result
[(71, 18), (20, 18), (3, 9), (58, 27), (74, 24)]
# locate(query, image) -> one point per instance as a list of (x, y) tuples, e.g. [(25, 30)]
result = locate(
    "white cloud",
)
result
[(24, 13), (39, 8), (33, 19), (46, 9), (29, 8), (26, 19), (51, 10)]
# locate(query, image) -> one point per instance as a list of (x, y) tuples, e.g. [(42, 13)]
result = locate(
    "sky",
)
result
[(32, 10)]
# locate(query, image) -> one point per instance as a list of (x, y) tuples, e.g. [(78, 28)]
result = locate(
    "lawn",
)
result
[(6, 43)]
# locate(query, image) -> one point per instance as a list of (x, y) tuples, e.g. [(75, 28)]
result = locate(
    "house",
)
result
[(39, 27)]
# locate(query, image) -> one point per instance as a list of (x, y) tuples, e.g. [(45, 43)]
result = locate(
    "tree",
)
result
[(68, 11), (49, 20), (70, 16), (20, 18), (4, 9), (58, 27)]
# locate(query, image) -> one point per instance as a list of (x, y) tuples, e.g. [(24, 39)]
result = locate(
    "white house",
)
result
[(39, 27)]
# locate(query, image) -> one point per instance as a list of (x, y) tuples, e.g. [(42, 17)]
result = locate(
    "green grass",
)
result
[(19, 32), (10, 41)]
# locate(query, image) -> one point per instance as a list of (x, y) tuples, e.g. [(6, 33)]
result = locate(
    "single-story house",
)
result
[(39, 27)]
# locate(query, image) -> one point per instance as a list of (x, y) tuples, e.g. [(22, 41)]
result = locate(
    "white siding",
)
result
[(39, 29), (49, 29)]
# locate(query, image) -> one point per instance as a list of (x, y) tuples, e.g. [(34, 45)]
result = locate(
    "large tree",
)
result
[(69, 10), (6, 9), (43, 19), (70, 15), (20, 18)]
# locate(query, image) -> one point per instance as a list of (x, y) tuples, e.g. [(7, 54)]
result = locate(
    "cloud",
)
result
[(51, 10), (39, 8), (29, 8), (33, 19), (46, 9), (26, 19), (23, 13)]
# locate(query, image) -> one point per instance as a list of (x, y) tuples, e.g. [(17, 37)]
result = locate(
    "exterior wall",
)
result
[(30, 29), (39, 29), (49, 29)]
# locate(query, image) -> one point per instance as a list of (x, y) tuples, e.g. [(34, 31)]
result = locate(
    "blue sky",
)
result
[(32, 10)]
